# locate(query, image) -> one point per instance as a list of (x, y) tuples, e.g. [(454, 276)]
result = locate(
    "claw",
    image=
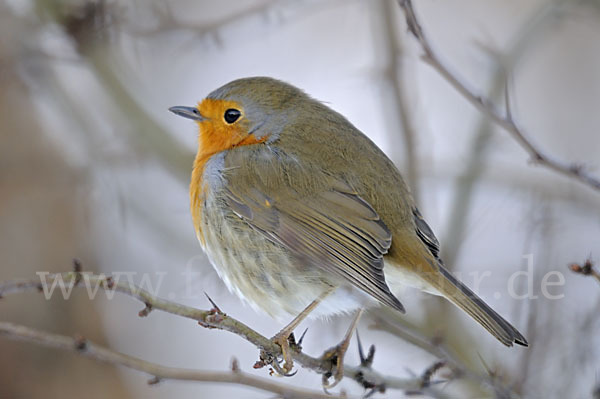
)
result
[(282, 368), (285, 337), (336, 355), (283, 340), (281, 371)]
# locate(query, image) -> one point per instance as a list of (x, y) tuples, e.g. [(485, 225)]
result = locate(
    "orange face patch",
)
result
[(216, 135)]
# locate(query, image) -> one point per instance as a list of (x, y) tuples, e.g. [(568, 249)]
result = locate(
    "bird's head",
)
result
[(244, 111)]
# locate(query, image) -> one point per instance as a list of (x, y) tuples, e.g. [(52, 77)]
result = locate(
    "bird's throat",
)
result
[(210, 143)]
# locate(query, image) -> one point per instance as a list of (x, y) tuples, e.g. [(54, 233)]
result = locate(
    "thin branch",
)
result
[(167, 21), (436, 347), (522, 40), (364, 375), (394, 72), (587, 269), (487, 107), (158, 372)]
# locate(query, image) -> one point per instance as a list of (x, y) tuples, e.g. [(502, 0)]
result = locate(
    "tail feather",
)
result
[(460, 295)]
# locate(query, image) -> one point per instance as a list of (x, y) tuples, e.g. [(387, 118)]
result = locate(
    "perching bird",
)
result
[(299, 211)]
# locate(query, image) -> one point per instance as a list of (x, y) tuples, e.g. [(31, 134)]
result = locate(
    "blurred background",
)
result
[(93, 166)]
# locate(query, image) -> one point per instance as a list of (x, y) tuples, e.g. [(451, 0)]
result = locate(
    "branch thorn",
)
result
[(368, 360), (298, 345), (214, 305)]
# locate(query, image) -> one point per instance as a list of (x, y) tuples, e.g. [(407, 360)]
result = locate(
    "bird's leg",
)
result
[(337, 353), (282, 338)]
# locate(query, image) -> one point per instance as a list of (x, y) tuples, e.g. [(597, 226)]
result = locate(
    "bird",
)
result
[(300, 213)]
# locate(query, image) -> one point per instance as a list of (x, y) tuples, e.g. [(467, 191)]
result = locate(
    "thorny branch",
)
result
[(487, 107), (435, 346), (214, 318)]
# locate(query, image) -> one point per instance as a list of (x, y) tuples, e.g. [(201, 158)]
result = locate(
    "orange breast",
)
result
[(210, 142)]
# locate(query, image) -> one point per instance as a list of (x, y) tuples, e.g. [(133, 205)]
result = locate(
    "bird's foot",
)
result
[(286, 341), (284, 338), (288, 345), (335, 356)]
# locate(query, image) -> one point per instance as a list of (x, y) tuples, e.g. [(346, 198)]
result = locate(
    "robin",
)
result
[(300, 213)]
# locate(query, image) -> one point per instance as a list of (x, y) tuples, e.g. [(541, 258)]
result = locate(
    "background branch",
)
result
[(486, 106), (87, 348), (213, 318), (437, 348), (520, 43), (400, 99)]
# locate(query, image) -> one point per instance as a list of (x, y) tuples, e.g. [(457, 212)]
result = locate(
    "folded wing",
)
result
[(334, 229)]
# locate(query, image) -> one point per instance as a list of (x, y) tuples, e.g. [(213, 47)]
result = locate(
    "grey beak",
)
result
[(188, 112)]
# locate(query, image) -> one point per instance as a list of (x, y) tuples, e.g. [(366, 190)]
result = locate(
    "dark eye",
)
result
[(232, 115)]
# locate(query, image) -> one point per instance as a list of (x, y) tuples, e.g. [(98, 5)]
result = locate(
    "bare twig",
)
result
[(587, 269), (158, 372), (167, 21), (476, 164), (393, 72), (484, 105), (214, 318), (437, 348)]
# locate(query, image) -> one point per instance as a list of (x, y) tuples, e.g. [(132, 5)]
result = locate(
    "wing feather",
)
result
[(334, 229)]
